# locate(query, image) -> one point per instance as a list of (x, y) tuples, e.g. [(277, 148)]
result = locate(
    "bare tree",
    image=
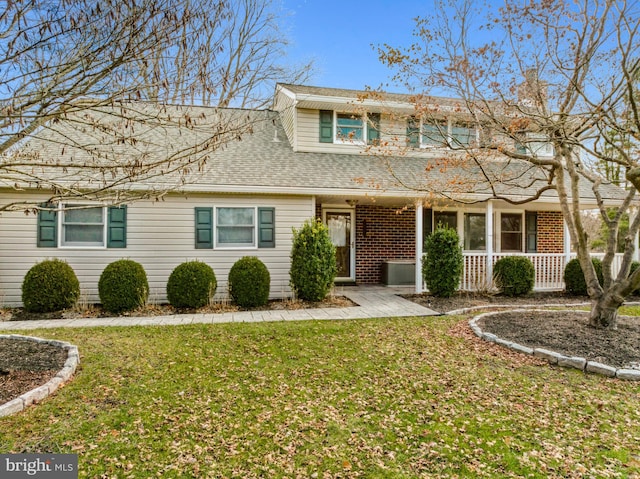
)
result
[(231, 54), (580, 61), (72, 77)]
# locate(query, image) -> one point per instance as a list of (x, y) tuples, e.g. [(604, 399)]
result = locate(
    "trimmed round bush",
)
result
[(50, 285), (191, 285), (514, 275), (313, 261), (123, 286), (574, 277), (443, 262), (249, 282)]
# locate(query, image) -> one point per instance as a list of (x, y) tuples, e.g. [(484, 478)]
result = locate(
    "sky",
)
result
[(340, 37)]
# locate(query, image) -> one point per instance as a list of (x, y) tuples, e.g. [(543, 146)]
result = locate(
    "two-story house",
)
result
[(377, 174)]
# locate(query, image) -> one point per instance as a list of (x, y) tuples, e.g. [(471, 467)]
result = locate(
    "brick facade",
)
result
[(390, 234), (384, 233), (550, 232)]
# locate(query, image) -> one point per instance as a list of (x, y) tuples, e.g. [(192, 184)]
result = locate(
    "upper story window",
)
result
[(349, 128), (440, 133), (534, 144)]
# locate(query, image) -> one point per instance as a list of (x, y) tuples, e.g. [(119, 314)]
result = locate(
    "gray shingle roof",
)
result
[(263, 161)]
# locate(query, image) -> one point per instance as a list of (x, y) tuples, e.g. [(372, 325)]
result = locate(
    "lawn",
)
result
[(387, 398)]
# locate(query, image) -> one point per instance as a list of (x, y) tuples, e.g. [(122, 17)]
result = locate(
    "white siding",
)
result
[(393, 130), (285, 106), (160, 235)]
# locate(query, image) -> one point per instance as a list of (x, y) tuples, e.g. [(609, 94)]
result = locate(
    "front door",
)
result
[(340, 223)]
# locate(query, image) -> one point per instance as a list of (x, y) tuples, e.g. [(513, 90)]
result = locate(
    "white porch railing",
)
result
[(549, 269)]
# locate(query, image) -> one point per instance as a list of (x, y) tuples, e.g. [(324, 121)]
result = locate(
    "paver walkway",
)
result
[(372, 301)]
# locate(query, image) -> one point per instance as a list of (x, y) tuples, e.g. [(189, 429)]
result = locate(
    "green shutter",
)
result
[(266, 227), (373, 128), (531, 225), (47, 227), (204, 228), (413, 132), (326, 126), (117, 227)]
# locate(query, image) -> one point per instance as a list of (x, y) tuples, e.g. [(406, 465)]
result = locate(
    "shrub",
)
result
[(48, 286), (249, 282), (123, 286), (443, 262), (191, 285), (574, 277), (313, 261), (514, 275), (634, 266)]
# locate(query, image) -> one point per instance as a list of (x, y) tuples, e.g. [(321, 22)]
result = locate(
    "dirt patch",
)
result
[(25, 365), (568, 333)]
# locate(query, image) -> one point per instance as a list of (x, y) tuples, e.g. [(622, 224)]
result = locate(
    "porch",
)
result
[(549, 269)]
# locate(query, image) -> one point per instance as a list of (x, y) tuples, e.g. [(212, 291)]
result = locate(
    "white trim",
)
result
[(342, 141), (60, 209), (352, 238), (235, 246), (489, 240), (523, 237), (566, 243), (419, 235)]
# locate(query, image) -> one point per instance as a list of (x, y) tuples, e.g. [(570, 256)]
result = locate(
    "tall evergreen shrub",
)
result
[(313, 261), (443, 262)]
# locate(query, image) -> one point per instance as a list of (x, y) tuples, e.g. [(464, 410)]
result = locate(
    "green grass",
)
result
[(388, 398)]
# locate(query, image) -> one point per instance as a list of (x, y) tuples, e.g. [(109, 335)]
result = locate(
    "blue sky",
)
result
[(339, 36)]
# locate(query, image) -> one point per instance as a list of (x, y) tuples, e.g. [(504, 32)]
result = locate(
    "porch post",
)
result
[(419, 228), (566, 243), (636, 243), (489, 241)]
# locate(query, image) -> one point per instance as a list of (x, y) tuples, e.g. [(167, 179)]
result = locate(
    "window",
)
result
[(475, 232), (534, 144), (349, 127), (235, 227), (82, 226), (445, 219), (435, 133), (511, 232), (462, 134)]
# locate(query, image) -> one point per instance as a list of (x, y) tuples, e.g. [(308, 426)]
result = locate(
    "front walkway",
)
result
[(372, 301)]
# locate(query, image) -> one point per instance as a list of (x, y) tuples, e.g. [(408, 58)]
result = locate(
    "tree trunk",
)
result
[(604, 311)]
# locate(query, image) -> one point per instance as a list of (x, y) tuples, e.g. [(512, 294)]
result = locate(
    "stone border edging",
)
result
[(38, 394), (551, 356)]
